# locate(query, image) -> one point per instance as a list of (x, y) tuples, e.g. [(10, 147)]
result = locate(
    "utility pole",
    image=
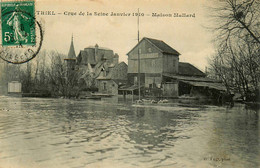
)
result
[(139, 77)]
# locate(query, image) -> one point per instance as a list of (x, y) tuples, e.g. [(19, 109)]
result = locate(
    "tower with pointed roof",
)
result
[(70, 61)]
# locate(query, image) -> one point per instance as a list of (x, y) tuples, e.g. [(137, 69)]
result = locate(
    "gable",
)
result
[(155, 45), (144, 47)]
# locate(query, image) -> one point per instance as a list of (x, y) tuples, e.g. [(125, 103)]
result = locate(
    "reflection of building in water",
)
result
[(161, 73), (150, 128)]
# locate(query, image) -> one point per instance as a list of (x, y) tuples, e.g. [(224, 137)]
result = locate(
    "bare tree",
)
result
[(237, 65), (63, 81), (236, 61), (236, 19)]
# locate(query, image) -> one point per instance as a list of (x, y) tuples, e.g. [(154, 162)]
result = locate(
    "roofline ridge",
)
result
[(194, 67), (164, 43), (149, 40), (153, 38), (185, 62)]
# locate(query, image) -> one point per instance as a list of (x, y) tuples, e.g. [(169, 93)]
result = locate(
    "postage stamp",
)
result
[(21, 34), (18, 25)]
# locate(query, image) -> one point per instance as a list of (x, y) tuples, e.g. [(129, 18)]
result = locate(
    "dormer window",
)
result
[(103, 71)]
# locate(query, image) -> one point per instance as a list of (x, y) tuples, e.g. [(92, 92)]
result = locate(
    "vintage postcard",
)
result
[(129, 84)]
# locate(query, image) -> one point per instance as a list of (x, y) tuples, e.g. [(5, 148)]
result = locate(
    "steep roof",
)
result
[(113, 73), (159, 44), (165, 48), (85, 58), (116, 68), (71, 54), (187, 69)]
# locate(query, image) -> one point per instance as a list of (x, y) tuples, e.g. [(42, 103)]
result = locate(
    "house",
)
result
[(89, 63), (110, 81), (161, 71), (156, 58), (94, 54), (14, 88)]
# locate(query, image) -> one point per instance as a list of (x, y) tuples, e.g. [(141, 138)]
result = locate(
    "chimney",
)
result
[(116, 59)]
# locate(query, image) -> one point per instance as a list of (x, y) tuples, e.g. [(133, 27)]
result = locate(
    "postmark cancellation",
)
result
[(21, 34)]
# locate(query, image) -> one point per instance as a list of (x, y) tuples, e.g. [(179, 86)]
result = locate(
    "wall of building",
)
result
[(146, 79), (14, 87), (170, 89), (153, 78), (150, 59), (132, 76), (108, 87), (170, 64), (152, 64), (146, 66)]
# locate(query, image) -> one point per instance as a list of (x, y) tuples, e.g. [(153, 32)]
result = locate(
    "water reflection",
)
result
[(70, 133)]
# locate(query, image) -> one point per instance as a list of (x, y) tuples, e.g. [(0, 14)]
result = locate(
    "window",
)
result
[(140, 51), (103, 71), (153, 63), (149, 50), (104, 86)]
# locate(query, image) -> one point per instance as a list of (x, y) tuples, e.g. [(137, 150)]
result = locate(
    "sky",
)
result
[(187, 35)]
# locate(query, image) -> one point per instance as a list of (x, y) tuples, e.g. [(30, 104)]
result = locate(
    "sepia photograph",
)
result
[(129, 84)]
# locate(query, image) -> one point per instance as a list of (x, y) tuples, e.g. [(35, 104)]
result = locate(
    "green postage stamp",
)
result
[(18, 23)]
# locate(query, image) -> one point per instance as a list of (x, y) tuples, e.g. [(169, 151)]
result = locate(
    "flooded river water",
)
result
[(54, 133)]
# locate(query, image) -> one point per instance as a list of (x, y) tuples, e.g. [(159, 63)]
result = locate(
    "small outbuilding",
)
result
[(110, 81), (15, 88)]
